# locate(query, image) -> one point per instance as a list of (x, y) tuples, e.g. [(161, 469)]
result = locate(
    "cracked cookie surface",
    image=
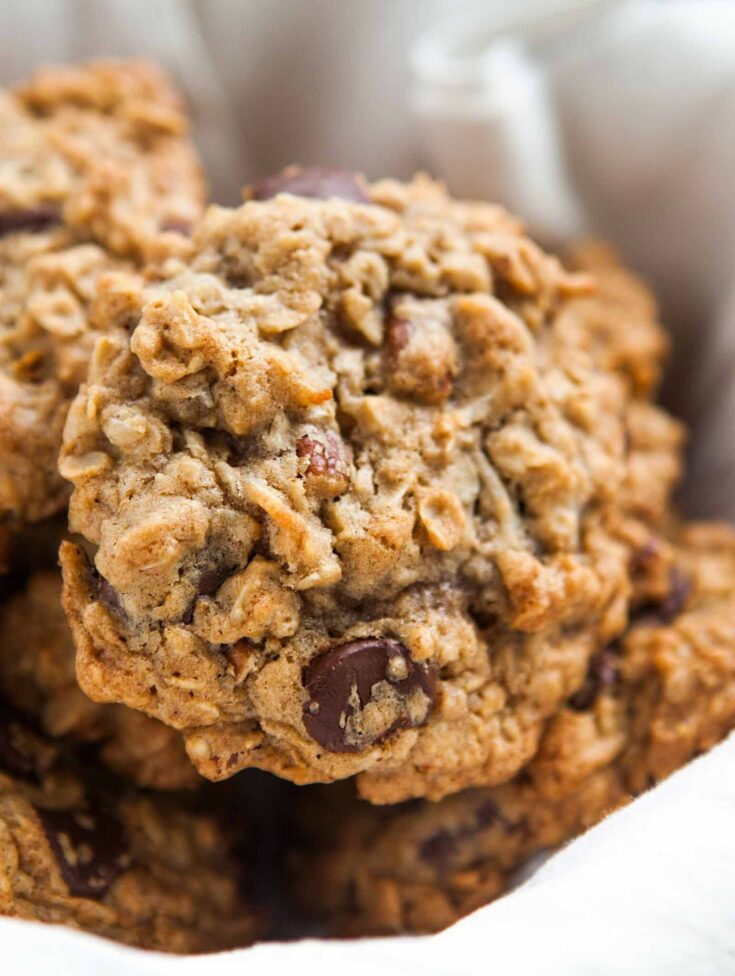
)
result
[(355, 484), (96, 856), (96, 172), (661, 695)]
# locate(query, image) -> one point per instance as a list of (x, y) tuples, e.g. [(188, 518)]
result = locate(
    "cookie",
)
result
[(93, 855), (96, 172), (661, 695), (37, 676), (355, 484)]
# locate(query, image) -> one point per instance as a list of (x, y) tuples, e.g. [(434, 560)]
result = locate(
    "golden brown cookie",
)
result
[(96, 172), (356, 481), (662, 694), (81, 851), (37, 676)]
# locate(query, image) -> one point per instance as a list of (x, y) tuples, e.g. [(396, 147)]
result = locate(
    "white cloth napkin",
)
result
[(616, 118), (646, 893)]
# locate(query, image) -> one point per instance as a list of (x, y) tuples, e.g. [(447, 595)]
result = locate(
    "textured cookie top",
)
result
[(92, 855), (95, 170), (101, 149), (349, 446)]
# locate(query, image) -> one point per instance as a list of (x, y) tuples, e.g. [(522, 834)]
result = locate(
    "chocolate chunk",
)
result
[(679, 592), (90, 848), (342, 681), (668, 609), (317, 183), (104, 591), (486, 814), (31, 219), (109, 597), (239, 449), (438, 849), (642, 557), (14, 757), (441, 847), (327, 469), (208, 583), (601, 674), (211, 579)]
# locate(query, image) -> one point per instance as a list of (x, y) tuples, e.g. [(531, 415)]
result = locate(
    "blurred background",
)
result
[(612, 117), (271, 81)]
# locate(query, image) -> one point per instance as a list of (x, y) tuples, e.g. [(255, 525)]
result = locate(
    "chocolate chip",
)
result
[(327, 469), (486, 814), (104, 591), (438, 849), (211, 579), (642, 557), (344, 680), (109, 597), (31, 219), (602, 673), (441, 847), (90, 848), (208, 583), (318, 183), (668, 609), (239, 449), (15, 758), (680, 588)]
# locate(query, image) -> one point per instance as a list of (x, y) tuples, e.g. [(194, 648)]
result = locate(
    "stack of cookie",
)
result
[(97, 177), (362, 486)]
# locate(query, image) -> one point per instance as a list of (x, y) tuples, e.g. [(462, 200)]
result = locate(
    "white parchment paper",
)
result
[(612, 117)]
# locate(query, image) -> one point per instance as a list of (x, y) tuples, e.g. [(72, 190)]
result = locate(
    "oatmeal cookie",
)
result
[(93, 855), (662, 694), (37, 676), (355, 482), (96, 172)]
